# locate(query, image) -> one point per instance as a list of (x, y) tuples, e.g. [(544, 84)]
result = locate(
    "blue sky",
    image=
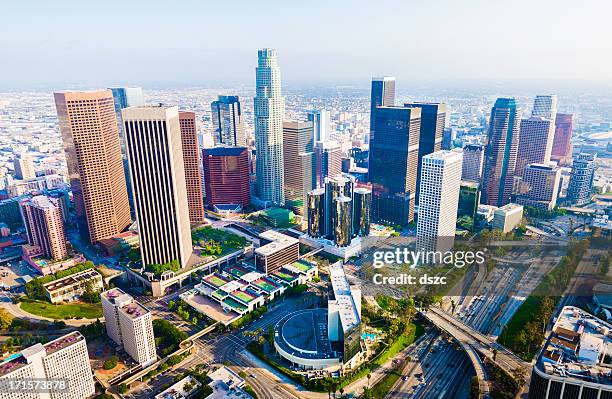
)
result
[(199, 42)]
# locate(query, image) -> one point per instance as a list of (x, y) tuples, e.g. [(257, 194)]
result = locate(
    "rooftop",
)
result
[(67, 281), (134, 310), (578, 346), (279, 242), (349, 314), (304, 334)]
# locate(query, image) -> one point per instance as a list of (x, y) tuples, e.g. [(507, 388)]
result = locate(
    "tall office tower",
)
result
[(124, 97), (535, 143), (320, 124), (155, 153), (394, 155), (88, 125), (440, 184), (473, 157), (129, 324), (228, 123), (269, 113), (539, 186), (381, 95), (562, 143), (500, 152), (42, 217), (63, 359), (433, 118), (545, 107), (581, 179), (299, 159), (448, 137), (226, 177), (24, 167), (191, 161), (328, 160)]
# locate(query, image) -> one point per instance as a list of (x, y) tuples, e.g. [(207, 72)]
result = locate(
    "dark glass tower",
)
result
[(394, 153), (382, 95), (500, 152), (433, 118)]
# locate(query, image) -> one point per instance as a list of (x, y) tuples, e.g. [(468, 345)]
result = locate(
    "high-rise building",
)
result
[(191, 161), (473, 157), (500, 152), (320, 124), (228, 123), (545, 106), (448, 138), (394, 154), (269, 113), (535, 142), (88, 125), (64, 359), (581, 179), (562, 143), (433, 118), (129, 324), (299, 159), (382, 94), (24, 167), (440, 183), (42, 217), (328, 161), (539, 186), (126, 97), (226, 177), (157, 169)]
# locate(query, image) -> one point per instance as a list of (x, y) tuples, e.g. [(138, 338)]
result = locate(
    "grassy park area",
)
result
[(75, 310)]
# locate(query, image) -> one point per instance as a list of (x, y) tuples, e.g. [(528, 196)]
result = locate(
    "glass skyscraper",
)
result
[(382, 95), (500, 153), (228, 125), (269, 113)]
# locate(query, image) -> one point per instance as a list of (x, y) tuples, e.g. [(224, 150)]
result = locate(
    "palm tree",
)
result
[(369, 376)]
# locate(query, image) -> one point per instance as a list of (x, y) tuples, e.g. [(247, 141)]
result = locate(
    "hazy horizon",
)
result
[(444, 43)]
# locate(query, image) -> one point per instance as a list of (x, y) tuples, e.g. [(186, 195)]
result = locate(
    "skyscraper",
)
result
[(545, 106), (539, 186), (124, 97), (155, 153), (394, 154), (191, 160), (24, 167), (42, 217), (382, 94), (63, 359), (228, 123), (226, 176), (299, 160), (129, 324), (535, 142), (500, 152), (473, 156), (562, 143), (433, 118), (440, 183), (320, 124), (328, 160), (581, 179), (269, 112), (88, 125)]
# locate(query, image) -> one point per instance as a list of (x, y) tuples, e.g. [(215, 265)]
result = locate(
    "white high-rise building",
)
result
[(439, 198), (157, 172), (129, 324), (269, 113), (545, 107), (24, 167), (64, 359), (473, 160), (320, 124)]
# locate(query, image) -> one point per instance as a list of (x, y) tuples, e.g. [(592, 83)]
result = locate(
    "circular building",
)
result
[(301, 338)]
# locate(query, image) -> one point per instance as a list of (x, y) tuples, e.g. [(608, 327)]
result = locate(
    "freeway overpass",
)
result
[(478, 347)]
